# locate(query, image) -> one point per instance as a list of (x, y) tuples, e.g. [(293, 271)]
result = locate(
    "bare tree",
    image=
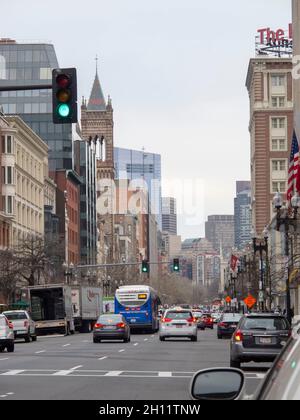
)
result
[(9, 274)]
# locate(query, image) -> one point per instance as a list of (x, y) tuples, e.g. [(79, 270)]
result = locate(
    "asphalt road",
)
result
[(74, 368)]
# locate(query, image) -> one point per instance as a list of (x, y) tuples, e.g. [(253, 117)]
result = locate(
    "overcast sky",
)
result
[(175, 70)]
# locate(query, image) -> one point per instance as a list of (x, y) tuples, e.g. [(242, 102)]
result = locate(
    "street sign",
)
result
[(250, 301), (228, 299), (261, 296)]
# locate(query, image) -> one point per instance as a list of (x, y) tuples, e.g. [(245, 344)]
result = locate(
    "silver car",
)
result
[(178, 322), (6, 335), (24, 326)]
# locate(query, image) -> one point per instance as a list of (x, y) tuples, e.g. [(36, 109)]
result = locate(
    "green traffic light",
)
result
[(63, 110), (176, 268)]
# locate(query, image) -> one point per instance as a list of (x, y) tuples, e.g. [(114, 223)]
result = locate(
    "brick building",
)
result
[(270, 86)]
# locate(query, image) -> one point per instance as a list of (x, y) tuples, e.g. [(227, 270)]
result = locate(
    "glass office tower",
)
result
[(141, 165), (32, 64)]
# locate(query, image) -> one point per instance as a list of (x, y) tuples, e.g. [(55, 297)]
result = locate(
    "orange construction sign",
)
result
[(228, 299), (250, 301)]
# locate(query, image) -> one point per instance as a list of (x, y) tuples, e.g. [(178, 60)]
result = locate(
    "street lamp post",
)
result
[(287, 221), (233, 278), (261, 245)]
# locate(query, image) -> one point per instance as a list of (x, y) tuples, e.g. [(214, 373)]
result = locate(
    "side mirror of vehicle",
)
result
[(217, 384)]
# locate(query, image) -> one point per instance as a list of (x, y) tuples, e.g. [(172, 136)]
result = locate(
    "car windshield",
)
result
[(265, 324), (14, 316), (109, 319), (197, 314), (179, 315), (231, 318)]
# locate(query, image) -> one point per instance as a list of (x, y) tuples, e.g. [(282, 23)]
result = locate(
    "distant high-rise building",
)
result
[(139, 166), (219, 230), (169, 215), (27, 64), (242, 214)]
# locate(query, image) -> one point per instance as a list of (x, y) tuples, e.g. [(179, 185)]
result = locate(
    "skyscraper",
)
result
[(169, 215), (219, 230), (242, 214), (139, 166), (31, 64)]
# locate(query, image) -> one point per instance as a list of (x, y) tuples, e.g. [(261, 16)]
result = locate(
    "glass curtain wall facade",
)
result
[(32, 64), (141, 165)]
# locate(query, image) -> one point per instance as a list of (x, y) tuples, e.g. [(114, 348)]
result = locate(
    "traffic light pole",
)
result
[(25, 87)]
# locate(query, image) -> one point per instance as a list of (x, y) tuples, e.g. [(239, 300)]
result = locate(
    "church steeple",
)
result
[(97, 100)]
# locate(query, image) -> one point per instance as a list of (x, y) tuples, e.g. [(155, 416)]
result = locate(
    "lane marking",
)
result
[(103, 358), (66, 345), (39, 352), (165, 374), (76, 367), (121, 351), (145, 339), (10, 393), (114, 373), (136, 344), (6, 358), (51, 336), (13, 372), (62, 373)]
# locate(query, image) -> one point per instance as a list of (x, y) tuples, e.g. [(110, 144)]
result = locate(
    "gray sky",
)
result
[(176, 73)]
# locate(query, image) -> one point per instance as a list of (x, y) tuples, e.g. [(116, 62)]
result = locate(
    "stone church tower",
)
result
[(97, 126)]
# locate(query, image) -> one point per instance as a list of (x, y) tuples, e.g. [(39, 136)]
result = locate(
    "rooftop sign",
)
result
[(276, 43)]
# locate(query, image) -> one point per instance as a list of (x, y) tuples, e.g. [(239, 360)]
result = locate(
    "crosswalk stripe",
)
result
[(12, 372), (114, 373)]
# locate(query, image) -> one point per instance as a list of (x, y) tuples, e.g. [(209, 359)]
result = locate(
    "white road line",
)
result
[(39, 352), (12, 372), (103, 358), (145, 339), (76, 367), (6, 358), (3, 396), (121, 351), (165, 374), (114, 373), (136, 344), (62, 373), (66, 345), (51, 336), (10, 393)]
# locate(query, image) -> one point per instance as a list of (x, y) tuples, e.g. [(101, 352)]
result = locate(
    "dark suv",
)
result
[(258, 338)]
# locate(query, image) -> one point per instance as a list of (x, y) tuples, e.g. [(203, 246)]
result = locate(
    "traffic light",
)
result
[(176, 265), (64, 96), (145, 266)]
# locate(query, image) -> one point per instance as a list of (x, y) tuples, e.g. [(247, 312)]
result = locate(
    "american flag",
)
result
[(293, 168)]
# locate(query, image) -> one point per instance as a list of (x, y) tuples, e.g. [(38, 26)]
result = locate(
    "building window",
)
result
[(9, 204), (278, 80), (279, 145), (278, 101), (9, 178), (278, 122), (278, 186), (278, 165)]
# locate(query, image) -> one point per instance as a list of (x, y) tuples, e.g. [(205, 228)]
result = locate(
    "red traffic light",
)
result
[(63, 81)]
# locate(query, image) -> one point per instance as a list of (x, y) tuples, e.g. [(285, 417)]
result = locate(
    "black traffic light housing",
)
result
[(64, 96), (145, 266), (176, 265)]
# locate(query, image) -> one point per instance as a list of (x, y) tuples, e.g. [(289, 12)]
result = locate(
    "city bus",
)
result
[(139, 306)]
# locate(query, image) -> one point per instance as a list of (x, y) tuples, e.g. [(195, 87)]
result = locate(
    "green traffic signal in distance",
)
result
[(176, 266), (64, 96), (145, 266)]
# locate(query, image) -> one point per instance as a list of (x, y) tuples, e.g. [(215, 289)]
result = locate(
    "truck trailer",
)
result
[(87, 307)]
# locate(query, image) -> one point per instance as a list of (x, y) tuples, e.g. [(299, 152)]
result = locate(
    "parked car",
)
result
[(6, 335), (258, 338), (227, 325), (178, 322), (207, 321), (111, 327), (282, 383), (24, 326)]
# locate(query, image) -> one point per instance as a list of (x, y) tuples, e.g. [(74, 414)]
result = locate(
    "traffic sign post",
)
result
[(250, 301)]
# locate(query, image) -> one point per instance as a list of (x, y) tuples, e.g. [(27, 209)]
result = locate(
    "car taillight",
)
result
[(121, 325), (222, 324), (98, 326), (191, 320), (238, 336), (166, 320)]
